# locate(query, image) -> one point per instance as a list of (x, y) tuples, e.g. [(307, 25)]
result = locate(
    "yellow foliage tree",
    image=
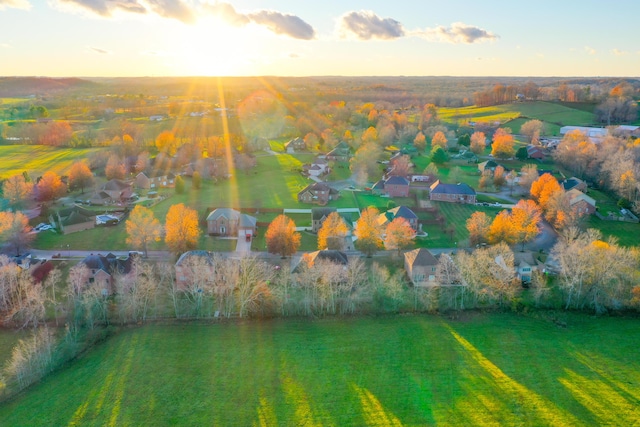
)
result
[(166, 142), (368, 231), (332, 233), (142, 228), (16, 188), (502, 146), (181, 228), (525, 219), (502, 230), (478, 225), (439, 140)]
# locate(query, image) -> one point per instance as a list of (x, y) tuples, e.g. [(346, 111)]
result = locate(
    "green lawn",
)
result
[(339, 172), (456, 215), (487, 369), (38, 159)]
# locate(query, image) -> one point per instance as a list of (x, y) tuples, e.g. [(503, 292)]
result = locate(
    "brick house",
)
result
[(318, 215), (294, 145), (73, 219), (318, 193), (229, 222), (340, 153), (103, 269), (187, 265), (399, 212), (580, 202), (455, 193), (420, 266), (147, 182), (396, 186)]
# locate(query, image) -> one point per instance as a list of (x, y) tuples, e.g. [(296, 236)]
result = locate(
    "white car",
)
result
[(42, 227)]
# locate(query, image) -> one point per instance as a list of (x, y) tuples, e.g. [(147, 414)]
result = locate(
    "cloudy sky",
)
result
[(318, 37)]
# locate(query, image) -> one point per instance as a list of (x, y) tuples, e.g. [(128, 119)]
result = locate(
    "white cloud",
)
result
[(618, 52), (366, 25), (16, 4), (590, 50), (458, 32)]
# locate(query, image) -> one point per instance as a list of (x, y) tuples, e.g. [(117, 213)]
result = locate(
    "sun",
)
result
[(212, 48)]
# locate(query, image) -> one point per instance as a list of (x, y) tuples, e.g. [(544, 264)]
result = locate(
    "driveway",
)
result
[(243, 245)]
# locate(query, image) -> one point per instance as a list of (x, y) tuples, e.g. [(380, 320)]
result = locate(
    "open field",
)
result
[(456, 215), (38, 159), (553, 114), (489, 369)]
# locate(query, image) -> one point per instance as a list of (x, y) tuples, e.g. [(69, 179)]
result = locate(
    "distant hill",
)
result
[(26, 86)]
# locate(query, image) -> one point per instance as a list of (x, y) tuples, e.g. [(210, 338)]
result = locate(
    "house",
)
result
[(394, 186), (457, 193), (420, 266), (229, 222), (580, 202), (340, 153), (333, 256), (318, 215), (296, 144), (73, 219), (154, 180), (535, 152), (206, 167), (525, 264), (399, 212), (103, 269), (318, 167), (117, 190), (318, 193), (573, 182), (594, 133), (490, 165), (191, 264)]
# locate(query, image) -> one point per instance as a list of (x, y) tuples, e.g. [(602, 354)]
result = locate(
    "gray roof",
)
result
[(337, 257), (247, 221), (244, 220), (319, 213), (460, 188), (400, 212), (203, 254), (420, 257), (397, 180)]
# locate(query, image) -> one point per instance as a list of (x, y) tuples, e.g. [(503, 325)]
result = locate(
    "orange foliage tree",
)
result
[(50, 187), (14, 231), (368, 231), (142, 228), (439, 140), (478, 142), (502, 230), (80, 176), (502, 146), (281, 236), (543, 189), (181, 228), (332, 233), (525, 219), (166, 143), (115, 168), (399, 235)]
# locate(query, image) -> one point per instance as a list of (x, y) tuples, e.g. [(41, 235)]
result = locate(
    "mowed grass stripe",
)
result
[(415, 370)]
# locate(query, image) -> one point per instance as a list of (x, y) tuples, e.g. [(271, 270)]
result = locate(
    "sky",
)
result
[(111, 38)]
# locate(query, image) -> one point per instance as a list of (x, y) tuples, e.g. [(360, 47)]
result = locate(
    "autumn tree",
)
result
[(166, 143), (115, 168), (14, 231), (80, 176), (368, 231), (499, 177), (281, 236), (369, 135), (50, 187), (399, 234), (17, 189), (543, 189), (402, 166), (438, 155), (485, 179), (180, 185), (532, 130), (439, 140), (502, 146), (142, 228), (478, 226), (432, 171), (525, 219), (502, 229), (364, 163), (181, 228), (420, 141), (332, 233), (311, 141), (478, 143), (528, 175)]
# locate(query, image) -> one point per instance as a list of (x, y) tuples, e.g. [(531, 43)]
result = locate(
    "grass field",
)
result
[(498, 369), (514, 115), (38, 159), (456, 215)]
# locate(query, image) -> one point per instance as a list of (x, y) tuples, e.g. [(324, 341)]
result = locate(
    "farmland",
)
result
[(38, 159), (412, 370)]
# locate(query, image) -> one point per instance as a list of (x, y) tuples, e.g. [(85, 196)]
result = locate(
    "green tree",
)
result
[(438, 155), (180, 188), (196, 180), (522, 153)]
